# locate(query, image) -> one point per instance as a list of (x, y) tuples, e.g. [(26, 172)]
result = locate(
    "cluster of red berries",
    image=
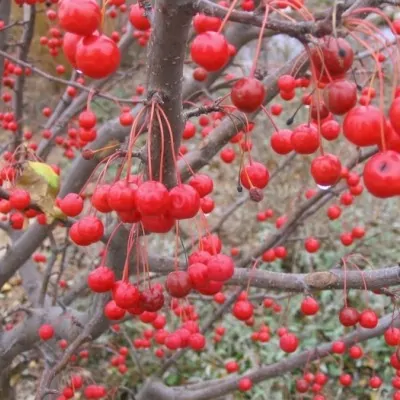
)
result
[(94, 54), (139, 20), (18, 208), (133, 200)]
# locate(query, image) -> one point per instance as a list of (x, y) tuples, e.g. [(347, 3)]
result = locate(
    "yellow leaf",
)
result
[(374, 395), (14, 379), (43, 185), (45, 172), (6, 288)]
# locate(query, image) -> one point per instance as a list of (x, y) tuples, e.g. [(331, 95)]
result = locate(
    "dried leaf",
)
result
[(43, 185), (15, 379), (6, 288)]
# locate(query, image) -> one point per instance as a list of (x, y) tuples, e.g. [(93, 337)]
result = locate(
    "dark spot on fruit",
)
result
[(342, 53), (383, 166)]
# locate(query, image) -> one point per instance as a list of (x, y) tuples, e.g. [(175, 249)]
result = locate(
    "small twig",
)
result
[(69, 83), (47, 275), (27, 36), (196, 112), (133, 354), (62, 265)]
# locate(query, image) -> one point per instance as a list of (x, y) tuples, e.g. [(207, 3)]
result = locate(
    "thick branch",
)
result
[(297, 30), (321, 280), (166, 58), (67, 324)]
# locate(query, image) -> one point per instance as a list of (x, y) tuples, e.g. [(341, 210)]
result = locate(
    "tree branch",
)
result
[(27, 36), (5, 10), (298, 30), (167, 50)]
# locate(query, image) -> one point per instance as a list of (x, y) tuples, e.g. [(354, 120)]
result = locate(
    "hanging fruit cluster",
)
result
[(91, 52)]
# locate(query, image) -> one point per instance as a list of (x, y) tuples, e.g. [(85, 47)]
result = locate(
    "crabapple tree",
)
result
[(126, 161)]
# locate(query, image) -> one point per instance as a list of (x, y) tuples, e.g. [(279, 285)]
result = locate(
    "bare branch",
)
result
[(297, 30), (5, 10), (27, 36), (166, 61), (70, 82)]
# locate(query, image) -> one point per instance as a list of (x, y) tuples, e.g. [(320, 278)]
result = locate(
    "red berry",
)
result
[(330, 130), (184, 202), (375, 382), (231, 367), (81, 18), (125, 294), (178, 284), (71, 204), (220, 268), (97, 56), (101, 279), (243, 310), (210, 50), (301, 385), (362, 125), (382, 174), (311, 245), (338, 347), (121, 196), (248, 94), (19, 199), (245, 384), (355, 352), (281, 141), (340, 96), (203, 23), (334, 212), (345, 379), (254, 174), (197, 341), (309, 306), (368, 319), (46, 332), (138, 18), (113, 312), (152, 198), (392, 336), (203, 184), (326, 169), (286, 83), (349, 316), (289, 342), (305, 139)]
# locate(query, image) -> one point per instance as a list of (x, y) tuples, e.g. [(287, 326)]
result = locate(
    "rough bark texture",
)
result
[(167, 51), (5, 10)]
